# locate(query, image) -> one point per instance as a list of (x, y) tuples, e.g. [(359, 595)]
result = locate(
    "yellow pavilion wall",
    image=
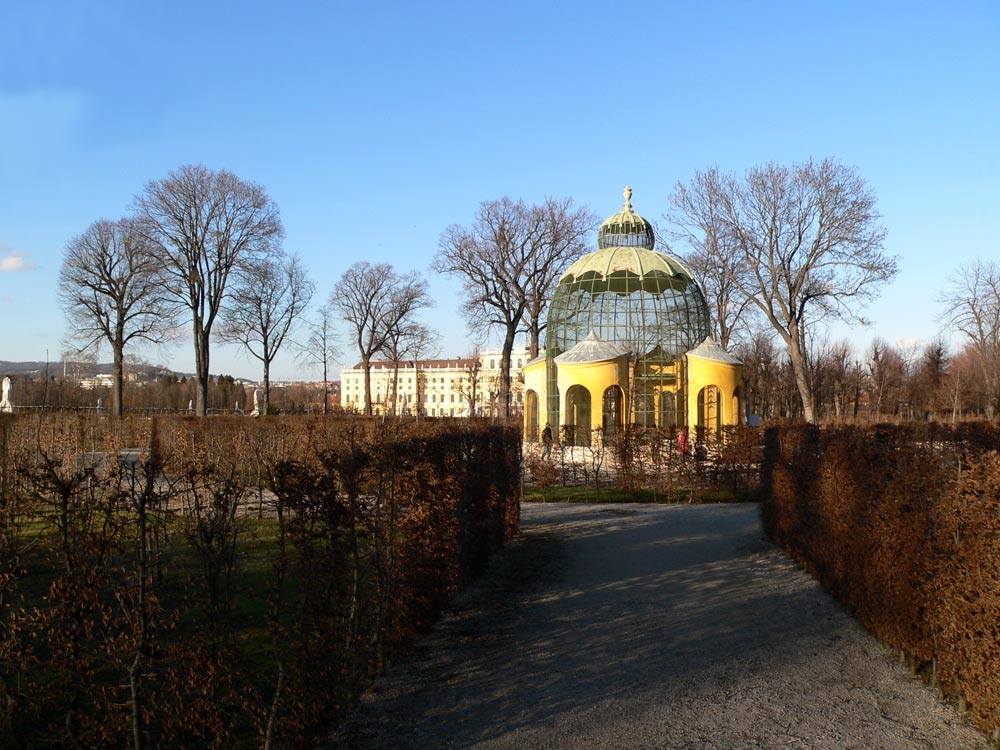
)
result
[(725, 376)]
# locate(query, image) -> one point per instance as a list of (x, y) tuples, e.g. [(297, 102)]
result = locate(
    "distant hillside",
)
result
[(82, 369)]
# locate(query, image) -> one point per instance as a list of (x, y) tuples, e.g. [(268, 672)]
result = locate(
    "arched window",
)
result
[(612, 410), (645, 409), (493, 364)]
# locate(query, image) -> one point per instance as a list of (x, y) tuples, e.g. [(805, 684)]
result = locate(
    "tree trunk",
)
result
[(118, 374), (326, 388), (802, 379), (395, 386), (508, 347), (418, 386), (201, 370), (366, 363), (534, 335), (267, 386)]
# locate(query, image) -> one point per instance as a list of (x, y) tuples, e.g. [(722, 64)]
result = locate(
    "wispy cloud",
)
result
[(13, 261)]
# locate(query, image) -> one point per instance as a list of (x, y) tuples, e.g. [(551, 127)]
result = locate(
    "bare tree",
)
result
[(963, 373), (405, 337), (810, 239), (204, 225), (714, 258), (402, 331), (929, 378), (375, 300), (507, 261), (111, 287), (470, 385), (560, 239), (830, 368), (492, 258), (269, 298), (972, 306), (887, 376), (421, 343), (320, 348)]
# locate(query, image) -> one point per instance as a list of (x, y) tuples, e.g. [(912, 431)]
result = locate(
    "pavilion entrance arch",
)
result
[(612, 410), (578, 415), (531, 413), (710, 410)]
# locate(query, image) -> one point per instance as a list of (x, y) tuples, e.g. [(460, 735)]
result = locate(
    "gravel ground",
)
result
[(624, 626)]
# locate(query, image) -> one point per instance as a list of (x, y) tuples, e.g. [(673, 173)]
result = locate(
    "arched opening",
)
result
[(531, 411), (710, 409), (668, 409), (578, 415), (611, 418), (737, 413)]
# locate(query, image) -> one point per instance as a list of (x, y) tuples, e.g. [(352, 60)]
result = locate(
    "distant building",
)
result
[(436, 387), (97, 381)]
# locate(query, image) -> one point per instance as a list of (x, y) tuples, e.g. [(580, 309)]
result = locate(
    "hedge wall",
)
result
[(901, 523), (228, 582)]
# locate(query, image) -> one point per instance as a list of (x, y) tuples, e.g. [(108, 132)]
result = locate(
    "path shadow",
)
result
[(637, 603)]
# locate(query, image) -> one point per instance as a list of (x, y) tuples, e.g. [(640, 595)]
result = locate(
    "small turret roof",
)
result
[(591, 349), (708, 349)]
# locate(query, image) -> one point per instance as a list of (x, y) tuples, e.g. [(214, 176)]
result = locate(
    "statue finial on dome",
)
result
[(628, 198)]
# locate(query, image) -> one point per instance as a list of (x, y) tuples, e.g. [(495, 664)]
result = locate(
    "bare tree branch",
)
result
[(508, 260), (269, 298), (972, 307), (111, 288), (321, 347), (204, 225), (376, 302), (800, 243)]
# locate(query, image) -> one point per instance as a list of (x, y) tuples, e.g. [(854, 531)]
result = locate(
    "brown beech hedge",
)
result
[(228, 582), (902, 523)]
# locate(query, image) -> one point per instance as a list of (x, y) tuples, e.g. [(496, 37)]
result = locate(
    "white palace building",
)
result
[(436, 387)]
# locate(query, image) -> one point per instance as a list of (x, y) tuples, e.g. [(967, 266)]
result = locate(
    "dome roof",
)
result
[(626, 228), (628, 269), (629, 295)]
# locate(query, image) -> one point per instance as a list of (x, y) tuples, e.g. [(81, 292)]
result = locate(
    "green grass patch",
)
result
[(582, 494)]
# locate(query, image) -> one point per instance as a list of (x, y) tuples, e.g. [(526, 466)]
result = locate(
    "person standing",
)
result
[(547, 441)]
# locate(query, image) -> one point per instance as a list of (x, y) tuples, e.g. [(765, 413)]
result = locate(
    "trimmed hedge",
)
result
[(228, 581), (902, 523)]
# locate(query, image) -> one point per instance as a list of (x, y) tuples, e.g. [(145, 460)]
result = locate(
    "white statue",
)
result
[(5, 404), (258, 394), (191, 405), (100, 406)]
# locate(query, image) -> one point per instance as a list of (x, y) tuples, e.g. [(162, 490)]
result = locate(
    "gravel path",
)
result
[(624, 626)]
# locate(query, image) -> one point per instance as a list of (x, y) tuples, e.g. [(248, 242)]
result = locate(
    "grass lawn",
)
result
[(581, 494)]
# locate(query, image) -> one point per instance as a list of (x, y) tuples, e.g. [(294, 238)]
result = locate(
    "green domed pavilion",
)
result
[(627, 329)]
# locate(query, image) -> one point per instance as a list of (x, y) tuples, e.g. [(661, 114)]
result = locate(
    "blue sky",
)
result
[(375, 125)]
